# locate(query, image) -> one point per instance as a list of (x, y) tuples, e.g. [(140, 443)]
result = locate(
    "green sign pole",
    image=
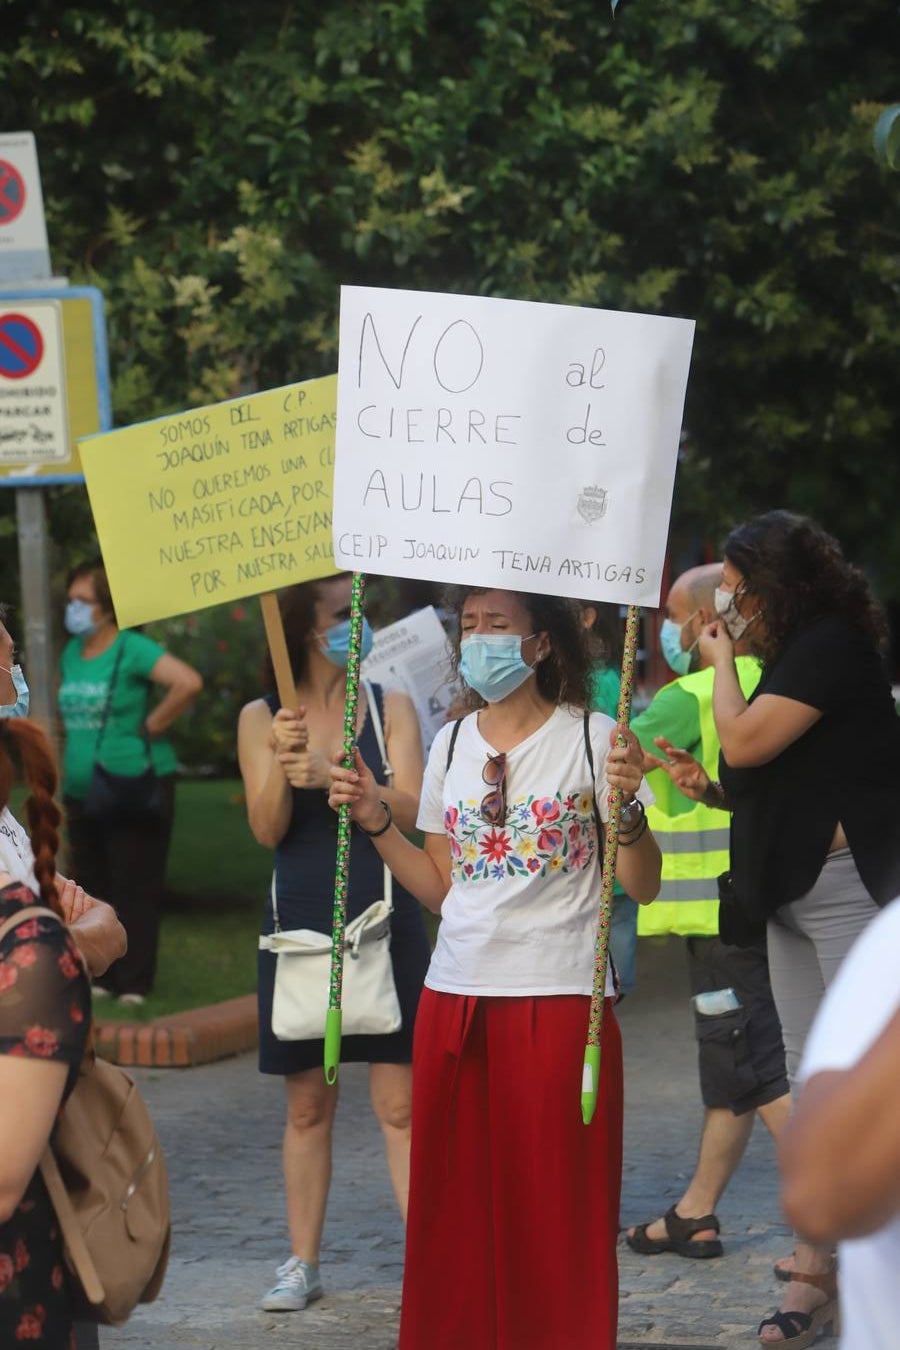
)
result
[(342, 870)]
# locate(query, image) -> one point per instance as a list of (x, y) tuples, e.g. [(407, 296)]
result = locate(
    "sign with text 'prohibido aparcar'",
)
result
[(507, 443)]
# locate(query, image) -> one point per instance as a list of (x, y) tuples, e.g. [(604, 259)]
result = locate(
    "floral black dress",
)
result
[(45, 1013)]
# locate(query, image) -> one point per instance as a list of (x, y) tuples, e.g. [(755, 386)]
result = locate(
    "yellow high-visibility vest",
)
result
[(694, 842)]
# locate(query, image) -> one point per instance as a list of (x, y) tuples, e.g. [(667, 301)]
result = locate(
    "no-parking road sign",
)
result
[(33, 416), (21, 346), (12, 192), (24, 251), (54, 382)]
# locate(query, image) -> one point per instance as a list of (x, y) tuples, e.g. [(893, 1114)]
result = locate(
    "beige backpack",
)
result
[(106, 1177)]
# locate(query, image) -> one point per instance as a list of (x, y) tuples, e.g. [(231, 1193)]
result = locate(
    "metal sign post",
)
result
[(34, 569)]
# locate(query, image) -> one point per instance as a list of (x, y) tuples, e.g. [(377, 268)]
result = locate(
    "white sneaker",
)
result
[(131, 1000), (298, 1283)]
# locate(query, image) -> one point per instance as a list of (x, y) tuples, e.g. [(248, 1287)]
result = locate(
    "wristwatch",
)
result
[(631, 813)]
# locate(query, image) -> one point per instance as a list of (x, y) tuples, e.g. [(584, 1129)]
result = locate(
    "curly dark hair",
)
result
[(565, 676), (298, 614), (606, 634), (799, 574)]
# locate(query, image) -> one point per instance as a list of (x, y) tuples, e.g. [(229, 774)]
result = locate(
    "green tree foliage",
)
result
[(220, 169)]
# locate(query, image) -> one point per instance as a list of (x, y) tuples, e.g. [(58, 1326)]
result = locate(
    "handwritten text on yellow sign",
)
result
[(208, 506)]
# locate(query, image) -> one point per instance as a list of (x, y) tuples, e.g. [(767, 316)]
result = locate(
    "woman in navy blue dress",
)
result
[(285, 756)]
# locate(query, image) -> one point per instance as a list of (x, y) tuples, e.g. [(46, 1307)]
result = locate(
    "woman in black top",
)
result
[(285, 756), (814, 841)]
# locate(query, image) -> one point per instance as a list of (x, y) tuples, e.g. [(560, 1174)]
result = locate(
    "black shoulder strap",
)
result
[(452, 746), (589, 751), (109, 694), (375, 700)]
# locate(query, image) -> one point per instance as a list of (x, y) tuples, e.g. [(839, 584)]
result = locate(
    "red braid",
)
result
[(44, 816)]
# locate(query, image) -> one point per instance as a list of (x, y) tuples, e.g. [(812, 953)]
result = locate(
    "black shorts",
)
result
[(740, 1053)]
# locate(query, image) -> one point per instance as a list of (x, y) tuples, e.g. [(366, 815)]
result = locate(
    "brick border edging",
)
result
[(181, 1040)]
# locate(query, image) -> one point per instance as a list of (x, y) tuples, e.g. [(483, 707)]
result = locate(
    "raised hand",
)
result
[(686, 772)]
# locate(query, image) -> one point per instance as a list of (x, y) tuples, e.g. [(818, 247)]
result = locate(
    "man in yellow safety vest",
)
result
[(740, 1052)]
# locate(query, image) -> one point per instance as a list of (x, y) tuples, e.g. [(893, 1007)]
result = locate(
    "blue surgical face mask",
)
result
[(335, 643), (20, 707), (79, 619), (492, 664), (677, 658)]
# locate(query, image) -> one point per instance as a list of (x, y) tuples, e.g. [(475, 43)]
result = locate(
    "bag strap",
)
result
[(70, 1228), (30, 912), (274, 903), (452, 746), (42, 912), (589, 751), (145, 738), (378, 728), (109, 693)]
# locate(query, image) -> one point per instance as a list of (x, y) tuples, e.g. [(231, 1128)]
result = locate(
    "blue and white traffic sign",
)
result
[(21, 346)]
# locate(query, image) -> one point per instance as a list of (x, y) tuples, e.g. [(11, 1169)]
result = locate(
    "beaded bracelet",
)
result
[(634, 835), (373, 834)]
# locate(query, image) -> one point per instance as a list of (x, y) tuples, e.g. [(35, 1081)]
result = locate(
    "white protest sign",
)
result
[(507, 443), (413, 654)]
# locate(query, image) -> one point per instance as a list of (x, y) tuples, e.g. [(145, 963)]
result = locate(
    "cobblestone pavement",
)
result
[(221, 1127)]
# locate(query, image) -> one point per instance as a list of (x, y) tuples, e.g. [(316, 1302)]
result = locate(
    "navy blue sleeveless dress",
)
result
[(304, 872)]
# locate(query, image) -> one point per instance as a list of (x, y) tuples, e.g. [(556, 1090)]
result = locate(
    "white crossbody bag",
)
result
[(303, 961)]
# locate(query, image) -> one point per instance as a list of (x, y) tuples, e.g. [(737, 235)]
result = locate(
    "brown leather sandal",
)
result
[(782, 1271), (679, 1237), (799, 1330)]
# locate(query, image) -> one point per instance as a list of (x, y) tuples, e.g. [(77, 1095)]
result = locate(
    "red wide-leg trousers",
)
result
[(514, 1202)]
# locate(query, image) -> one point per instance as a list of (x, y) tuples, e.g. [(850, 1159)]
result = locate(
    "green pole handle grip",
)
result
[(332, 1044), (590, 1082)]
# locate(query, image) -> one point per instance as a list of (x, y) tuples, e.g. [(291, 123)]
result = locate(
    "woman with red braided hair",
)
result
[(45, 1010), (92, 922)]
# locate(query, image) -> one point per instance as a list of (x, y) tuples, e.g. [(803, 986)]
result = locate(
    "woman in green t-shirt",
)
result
[(107, 677)]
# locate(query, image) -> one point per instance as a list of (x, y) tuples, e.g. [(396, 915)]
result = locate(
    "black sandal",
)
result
[(679, 1237), (800, 1330)]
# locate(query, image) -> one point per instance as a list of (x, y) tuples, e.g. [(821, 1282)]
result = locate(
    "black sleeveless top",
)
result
[(305, 857)]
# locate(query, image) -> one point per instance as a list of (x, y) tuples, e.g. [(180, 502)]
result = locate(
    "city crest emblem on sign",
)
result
[(592, 504)]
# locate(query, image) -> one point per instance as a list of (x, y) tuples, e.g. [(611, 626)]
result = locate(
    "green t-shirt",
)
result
[(675, 714), (605, 691), (605, 684), (82, 697)]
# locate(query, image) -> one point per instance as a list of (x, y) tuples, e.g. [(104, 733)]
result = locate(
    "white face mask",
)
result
[(726, 608)]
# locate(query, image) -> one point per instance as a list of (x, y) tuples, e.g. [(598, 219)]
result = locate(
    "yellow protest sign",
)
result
[(216, 504)]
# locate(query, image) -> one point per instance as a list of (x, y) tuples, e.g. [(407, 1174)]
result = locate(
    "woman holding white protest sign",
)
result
[(285, 755), (512, 1198)]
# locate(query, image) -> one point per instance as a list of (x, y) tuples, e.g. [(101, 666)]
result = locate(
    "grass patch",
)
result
[(205, 956), (217, 884), (214, 857)]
